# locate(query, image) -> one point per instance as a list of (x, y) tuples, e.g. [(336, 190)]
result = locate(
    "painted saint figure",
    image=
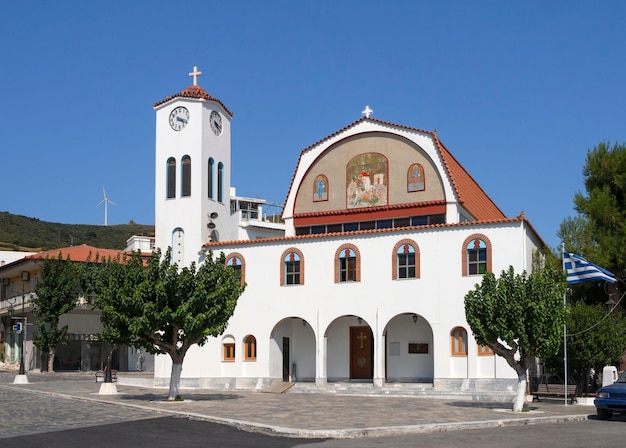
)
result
[(320, 188), (415, 178)]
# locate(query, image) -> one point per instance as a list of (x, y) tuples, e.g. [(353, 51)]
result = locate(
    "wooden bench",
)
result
[(553, 390), (102, 374)]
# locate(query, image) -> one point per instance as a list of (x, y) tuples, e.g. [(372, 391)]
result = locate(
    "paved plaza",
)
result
[(58, 401)]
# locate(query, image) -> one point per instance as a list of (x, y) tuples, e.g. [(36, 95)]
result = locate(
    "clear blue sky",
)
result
[(518, 91)]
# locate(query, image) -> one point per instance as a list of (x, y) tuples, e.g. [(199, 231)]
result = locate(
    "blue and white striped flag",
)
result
[(580, 270)]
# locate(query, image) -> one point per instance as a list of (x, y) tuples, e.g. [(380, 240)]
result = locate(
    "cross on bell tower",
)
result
[(195, 75)]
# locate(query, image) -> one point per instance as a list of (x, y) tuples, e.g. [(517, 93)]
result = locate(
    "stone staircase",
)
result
[(425, 390)]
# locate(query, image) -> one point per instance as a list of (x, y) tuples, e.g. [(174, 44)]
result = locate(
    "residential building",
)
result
[(84, 349)]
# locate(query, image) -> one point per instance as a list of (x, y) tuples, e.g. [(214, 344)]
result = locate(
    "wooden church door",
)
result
[(361, 353)]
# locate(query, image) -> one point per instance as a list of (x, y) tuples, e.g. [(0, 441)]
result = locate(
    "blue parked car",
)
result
[(612, 398)]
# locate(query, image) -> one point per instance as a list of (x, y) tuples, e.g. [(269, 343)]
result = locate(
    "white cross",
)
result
[(367, 112), (195, 75)]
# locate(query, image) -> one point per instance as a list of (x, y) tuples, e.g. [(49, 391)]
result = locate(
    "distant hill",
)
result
[(32, 235)]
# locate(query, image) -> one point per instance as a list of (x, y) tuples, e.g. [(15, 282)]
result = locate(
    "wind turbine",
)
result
[(106, 202)]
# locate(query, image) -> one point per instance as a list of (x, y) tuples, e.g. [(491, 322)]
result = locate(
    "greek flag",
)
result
[(580, 270)]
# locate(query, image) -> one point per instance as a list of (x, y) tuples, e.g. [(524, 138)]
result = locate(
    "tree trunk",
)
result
[(520, 393), (51, 354), (177, 369)]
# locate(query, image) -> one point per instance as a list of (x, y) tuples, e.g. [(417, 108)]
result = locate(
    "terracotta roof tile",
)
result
[(369, 209), (78, 253), (471, 196), (257, 241), (196, 92)]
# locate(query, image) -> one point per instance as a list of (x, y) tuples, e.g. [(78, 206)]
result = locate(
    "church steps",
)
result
[(425, 390)]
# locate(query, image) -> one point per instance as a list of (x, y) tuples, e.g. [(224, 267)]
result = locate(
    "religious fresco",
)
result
[(366, 181), (320, 188), (415, 178)]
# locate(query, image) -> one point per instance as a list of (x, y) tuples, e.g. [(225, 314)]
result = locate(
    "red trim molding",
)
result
[(370, 214)]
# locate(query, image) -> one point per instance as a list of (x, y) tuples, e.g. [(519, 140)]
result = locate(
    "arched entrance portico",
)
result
[(349, 350), (409, 356), (292, 350)]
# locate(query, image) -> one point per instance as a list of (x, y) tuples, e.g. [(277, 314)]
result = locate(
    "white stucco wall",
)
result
[(200, 143), (268, 310)]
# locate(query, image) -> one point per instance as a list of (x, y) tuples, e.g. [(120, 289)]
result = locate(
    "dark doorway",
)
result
[(286, 359)]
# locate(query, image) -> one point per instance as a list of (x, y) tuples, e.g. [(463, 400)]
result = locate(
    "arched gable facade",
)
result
[(380, 160)]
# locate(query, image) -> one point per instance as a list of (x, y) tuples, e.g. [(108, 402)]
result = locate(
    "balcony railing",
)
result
[(16, 302)]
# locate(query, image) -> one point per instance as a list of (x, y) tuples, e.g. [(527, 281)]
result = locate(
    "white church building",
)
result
[(383, 232)]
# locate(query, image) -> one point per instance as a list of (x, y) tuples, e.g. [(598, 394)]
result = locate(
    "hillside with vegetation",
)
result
[(21, 233)]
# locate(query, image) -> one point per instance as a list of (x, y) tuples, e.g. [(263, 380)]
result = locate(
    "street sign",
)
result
[(18, 327)]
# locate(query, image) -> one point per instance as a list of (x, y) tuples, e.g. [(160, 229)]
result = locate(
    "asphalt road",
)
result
[(179, 432), (156, 432), (34, 419)]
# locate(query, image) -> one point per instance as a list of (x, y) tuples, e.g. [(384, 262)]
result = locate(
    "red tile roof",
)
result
[(193, 92), (471, 196), (358, 211), (78, 253), (257, 241)]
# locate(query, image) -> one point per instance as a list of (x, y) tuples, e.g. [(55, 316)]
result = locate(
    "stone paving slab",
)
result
[(302, 415), (23, 413)]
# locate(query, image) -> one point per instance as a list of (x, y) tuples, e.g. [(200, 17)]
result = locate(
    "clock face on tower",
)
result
[(216, 122), (179, 118)]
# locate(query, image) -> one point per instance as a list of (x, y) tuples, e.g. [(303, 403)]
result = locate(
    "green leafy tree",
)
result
[(56, 294), (595, 338), (163, 308), (519, 317), (577, 234), (599, 231)]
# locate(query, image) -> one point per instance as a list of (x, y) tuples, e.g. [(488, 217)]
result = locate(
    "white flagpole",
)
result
[(564, 327)]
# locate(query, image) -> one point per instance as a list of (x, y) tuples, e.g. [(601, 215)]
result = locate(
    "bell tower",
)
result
[(192, 172)]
